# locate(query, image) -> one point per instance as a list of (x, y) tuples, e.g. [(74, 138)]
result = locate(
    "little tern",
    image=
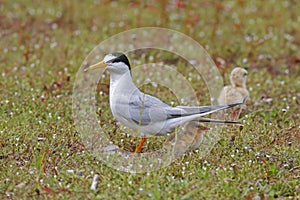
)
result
[(143, 112)]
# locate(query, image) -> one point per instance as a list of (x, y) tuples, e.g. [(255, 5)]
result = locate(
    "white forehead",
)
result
[(108, 57)]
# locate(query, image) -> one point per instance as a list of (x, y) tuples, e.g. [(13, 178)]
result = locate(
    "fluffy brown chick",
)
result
[(236, 92), (188, 138)]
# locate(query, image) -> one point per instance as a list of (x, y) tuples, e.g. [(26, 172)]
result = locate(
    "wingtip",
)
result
[(236, 104)]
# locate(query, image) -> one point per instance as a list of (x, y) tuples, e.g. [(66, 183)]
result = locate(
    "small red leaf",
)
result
[(47, 189)]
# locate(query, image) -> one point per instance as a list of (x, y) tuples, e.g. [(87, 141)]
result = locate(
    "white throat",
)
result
[(121, 84), (121, 90)]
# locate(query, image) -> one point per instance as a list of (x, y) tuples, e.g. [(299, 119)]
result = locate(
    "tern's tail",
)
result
[(203, 110), (218, 121)]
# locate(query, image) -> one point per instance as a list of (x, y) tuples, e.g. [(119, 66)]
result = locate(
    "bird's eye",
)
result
[(245, 74), (110, 61)]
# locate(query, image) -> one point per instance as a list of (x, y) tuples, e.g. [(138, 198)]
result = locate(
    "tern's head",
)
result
[(114, 63), (238, 77)]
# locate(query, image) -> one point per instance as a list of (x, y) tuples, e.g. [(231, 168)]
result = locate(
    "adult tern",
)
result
[(143, 112)]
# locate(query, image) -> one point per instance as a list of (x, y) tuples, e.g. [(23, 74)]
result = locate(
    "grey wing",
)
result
[(181, 111), (145, 109)]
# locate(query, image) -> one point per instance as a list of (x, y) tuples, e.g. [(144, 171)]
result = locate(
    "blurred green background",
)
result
[(43, 44)]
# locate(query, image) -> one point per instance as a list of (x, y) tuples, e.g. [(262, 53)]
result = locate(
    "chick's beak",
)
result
[(96, 66)]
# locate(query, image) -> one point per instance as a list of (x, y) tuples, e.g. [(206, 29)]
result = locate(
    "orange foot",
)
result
[(139, 148)]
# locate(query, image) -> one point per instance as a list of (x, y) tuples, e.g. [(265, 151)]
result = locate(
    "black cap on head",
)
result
[(120, 57)]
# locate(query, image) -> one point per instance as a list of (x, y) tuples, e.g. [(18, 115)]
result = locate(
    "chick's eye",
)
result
[(245, 74)]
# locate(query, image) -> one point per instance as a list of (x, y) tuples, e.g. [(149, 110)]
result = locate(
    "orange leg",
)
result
[(139, 148)]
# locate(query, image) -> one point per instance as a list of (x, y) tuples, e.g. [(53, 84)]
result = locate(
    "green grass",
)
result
[(44, 44)]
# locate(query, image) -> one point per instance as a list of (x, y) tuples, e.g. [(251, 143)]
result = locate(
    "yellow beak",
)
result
[(96, 66)]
